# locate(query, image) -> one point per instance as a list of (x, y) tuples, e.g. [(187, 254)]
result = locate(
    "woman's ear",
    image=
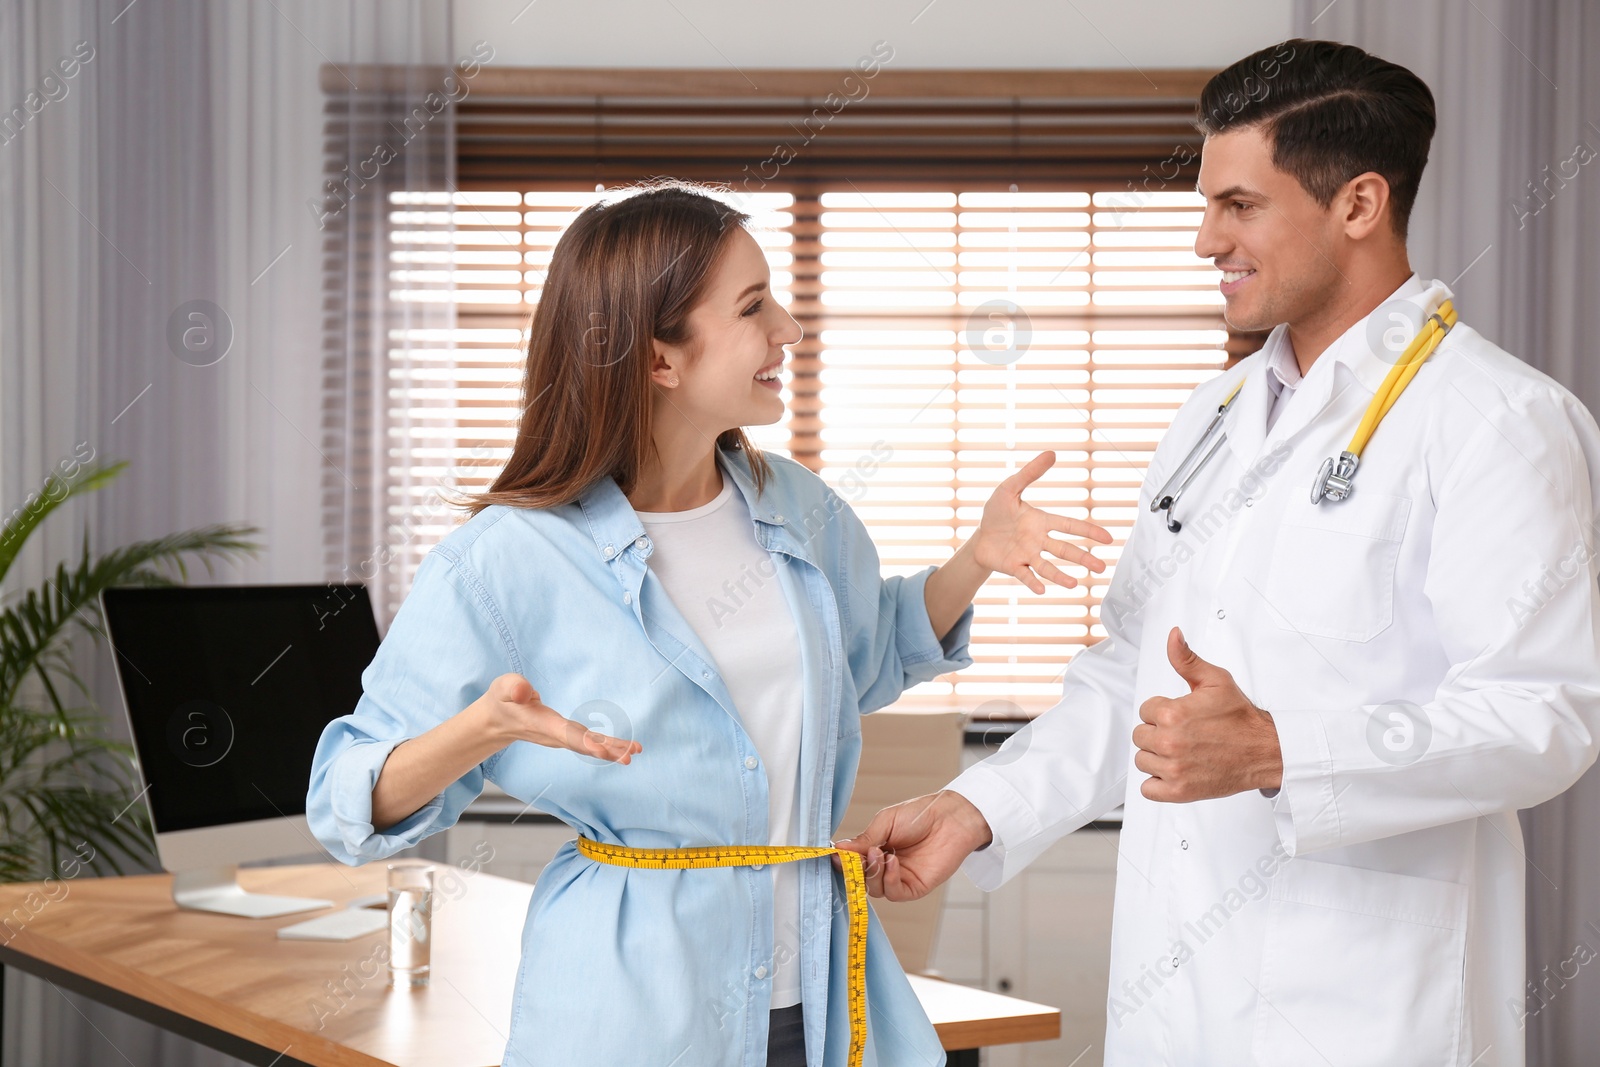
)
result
[(664, 360)]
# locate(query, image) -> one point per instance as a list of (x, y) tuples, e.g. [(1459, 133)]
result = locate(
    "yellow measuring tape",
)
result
[(855, 892)]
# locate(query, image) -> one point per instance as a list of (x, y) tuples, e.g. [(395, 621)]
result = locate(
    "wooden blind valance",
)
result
[(869, 124)]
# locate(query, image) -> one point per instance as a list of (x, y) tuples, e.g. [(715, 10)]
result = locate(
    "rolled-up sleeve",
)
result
[(447, 643), (889, 640)]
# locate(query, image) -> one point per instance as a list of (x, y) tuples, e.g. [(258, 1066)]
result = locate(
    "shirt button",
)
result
[(776, 517), (706, 675), (761, 971), (627, 598), (757, 866), (1221, 614), (750, 763), (610, 551), (643, 542)]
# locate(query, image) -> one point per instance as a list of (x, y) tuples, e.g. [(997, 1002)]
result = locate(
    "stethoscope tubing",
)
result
[(1338, 472), (1188, 470)]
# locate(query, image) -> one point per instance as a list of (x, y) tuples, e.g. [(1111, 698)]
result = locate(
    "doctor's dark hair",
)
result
[(625, 273), (1332, 112)]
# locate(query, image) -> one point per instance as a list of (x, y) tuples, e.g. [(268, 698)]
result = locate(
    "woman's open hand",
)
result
[(512, 711), (1013, 536)]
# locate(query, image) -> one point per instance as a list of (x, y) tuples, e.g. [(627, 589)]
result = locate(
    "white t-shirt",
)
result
[(726, 586)]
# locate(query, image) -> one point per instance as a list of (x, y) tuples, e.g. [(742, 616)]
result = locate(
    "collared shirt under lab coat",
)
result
[(623, 967), (1372, 913)]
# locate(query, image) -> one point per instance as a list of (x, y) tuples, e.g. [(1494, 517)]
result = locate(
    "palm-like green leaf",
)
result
[(66, 790), (57, 490), (31, 627)]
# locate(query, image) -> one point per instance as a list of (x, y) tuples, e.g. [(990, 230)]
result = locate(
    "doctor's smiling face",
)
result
[(1275, 245), (1313, 155)]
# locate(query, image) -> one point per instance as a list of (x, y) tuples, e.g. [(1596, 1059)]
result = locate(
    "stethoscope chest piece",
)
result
[(1336, 478)]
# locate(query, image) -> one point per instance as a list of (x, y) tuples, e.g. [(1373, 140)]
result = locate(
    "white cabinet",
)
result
[(1044, 936), (961, 948), (1050, 941)]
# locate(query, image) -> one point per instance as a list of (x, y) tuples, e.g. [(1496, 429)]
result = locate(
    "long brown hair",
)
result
[(624, 274)]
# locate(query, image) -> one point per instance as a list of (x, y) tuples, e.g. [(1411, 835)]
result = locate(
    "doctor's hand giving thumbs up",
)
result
[(1211, 743)]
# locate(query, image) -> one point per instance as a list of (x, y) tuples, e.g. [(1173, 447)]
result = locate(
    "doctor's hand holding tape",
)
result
[(1355, 628)]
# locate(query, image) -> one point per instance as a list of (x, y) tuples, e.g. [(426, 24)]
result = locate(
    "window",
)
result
[(954, 334), (980, 277)]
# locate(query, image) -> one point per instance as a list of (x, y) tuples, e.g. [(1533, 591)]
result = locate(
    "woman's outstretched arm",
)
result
[(1012, 538), (420, 768)]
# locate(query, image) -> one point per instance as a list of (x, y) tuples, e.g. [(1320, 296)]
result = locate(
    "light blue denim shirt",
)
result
[(624, 966)]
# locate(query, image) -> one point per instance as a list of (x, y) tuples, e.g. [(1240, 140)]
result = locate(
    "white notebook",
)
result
[(346, 924)]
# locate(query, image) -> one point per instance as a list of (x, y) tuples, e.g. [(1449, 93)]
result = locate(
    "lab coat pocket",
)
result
[(1361, 967), (1332, 567)]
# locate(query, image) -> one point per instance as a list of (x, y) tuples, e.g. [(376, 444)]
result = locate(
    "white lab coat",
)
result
[(1372, 912)]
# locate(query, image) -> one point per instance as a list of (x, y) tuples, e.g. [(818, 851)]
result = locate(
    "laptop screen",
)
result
[(228, 689)]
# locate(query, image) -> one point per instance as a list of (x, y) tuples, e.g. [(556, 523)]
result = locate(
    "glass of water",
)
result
[(410, 922)]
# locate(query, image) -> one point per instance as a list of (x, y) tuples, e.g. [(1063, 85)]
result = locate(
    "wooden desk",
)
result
[(231, 984)]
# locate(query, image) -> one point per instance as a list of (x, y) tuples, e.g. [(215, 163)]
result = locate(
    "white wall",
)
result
[(833, 33)]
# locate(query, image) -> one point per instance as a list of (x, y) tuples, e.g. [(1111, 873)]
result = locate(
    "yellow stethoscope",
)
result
[(1336, 478)]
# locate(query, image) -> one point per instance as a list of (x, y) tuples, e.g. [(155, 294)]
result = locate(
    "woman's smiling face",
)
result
[(728, 374)]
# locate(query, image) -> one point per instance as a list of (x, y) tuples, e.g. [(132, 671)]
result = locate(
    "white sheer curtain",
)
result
[(158, 160), (1510, 207), (388, 273)]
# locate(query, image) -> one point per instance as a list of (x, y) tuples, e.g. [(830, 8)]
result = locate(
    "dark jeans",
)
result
[(786, 1038)]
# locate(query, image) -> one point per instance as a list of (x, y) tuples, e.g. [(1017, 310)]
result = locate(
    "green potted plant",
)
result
[(66, 788)]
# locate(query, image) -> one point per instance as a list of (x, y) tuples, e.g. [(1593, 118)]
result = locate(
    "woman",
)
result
[(719, 613)]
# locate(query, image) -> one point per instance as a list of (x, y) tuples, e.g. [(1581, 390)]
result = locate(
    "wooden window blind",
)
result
[(986, 264)]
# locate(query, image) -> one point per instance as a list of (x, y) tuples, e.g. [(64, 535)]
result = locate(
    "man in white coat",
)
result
[(1320, 718)]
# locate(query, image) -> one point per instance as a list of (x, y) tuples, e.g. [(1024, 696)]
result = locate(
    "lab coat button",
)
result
[(1174, 963), (1184, 844), (1249, 501), (750, 763), (1221, 614), (761, 971)]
